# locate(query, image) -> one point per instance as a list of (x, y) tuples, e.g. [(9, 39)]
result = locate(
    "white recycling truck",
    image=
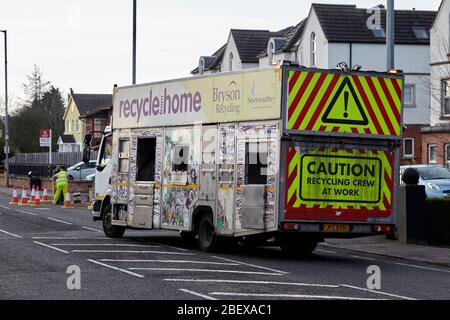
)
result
[(290, 153)]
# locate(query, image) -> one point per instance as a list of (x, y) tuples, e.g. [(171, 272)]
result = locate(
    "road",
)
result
[(38, 245)]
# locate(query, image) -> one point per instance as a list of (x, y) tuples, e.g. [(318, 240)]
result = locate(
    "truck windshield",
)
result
[(434, 173)]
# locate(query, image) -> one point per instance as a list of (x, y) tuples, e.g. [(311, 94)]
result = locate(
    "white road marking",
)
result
[(26, 212), (172, 261), (5, 207), (252, 265), (10, 234), (125, 251), (198, 294), (377, 292), (363, 258), (102, 245), (206, 270), (43, 209), (254, 282), (326, 251), (48, 246), (54, 238), (59, 221), (92, 229), (421, 267), (274, 295), (115, 268), (171, 247)]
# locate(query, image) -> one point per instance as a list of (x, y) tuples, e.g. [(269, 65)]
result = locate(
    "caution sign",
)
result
[(338, 184), (344, 103), (340, 179), (345, 107)]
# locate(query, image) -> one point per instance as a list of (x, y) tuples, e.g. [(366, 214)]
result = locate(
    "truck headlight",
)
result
[(433, 187)]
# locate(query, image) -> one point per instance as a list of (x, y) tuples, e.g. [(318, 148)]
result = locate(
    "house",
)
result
[(240, 52), (78, 107), (332, 34), (436, 137), (96, 121)]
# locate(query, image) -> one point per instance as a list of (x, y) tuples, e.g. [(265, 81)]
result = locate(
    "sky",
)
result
[(87, 44)]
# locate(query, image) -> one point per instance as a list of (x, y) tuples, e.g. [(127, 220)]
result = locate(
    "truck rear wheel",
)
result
[(114, 232), (298, 247), (207, 238)]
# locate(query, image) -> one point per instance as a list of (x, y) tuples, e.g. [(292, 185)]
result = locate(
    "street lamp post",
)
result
[(6, 110), (134, 39)]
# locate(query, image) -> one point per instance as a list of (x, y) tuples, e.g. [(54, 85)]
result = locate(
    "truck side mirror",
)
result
[(86, 154)]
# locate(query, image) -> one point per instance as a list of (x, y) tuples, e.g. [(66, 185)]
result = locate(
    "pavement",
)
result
[(40, 248)]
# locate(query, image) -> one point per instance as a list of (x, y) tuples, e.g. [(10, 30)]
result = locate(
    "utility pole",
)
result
[(6, 110), (390, 34), (134, 39)]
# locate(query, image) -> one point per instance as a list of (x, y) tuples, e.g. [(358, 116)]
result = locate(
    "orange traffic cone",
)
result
[(45, 198), (15, 197), (33, 195), (37, 199), (24, 199), (67, 201)]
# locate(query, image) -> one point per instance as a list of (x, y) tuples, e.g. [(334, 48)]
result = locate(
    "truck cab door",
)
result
[(104, 168)]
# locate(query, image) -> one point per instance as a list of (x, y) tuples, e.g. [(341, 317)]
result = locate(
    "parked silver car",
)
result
[(436, 180), (81, 170)]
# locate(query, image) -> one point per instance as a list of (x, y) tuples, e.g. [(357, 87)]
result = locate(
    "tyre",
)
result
[(111, 231), (207, 238), (298, 247)]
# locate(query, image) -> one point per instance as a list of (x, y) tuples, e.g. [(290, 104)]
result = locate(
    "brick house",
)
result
[(96, 121)]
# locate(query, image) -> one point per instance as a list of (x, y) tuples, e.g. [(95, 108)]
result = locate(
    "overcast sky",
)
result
[(86, 44)]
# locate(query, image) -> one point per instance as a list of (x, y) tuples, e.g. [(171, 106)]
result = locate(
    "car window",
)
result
[(434, 173)]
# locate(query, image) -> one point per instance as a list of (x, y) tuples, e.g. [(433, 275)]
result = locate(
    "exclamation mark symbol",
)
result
[(346, 96)]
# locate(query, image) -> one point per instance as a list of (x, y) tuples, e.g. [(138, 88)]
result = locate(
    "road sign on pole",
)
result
[(45, 138)]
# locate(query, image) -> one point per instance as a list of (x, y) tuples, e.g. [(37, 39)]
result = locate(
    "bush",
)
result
[(438, 211)]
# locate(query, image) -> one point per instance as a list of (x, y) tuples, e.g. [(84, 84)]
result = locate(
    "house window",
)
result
[(408, 148), (271, 53), (447, 156), (409, 95), (420, 33), (77, 125), (378, 32), (446, 97), (313, 50), (256, 163), (231, 61), (432, 154)]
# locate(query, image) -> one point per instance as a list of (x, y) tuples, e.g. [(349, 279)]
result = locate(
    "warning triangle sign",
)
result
[(345, 107)]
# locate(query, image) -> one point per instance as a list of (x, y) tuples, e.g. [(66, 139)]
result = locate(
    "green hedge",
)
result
[(438, 211)]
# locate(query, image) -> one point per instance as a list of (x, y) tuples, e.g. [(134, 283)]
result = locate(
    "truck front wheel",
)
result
[(207, 238), (114, 232)]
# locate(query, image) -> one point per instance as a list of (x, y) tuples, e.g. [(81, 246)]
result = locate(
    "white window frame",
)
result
[(408, 156), (231, 58), (411, 103), (445, 96), (271, 53), (313, 49), (430, 146), (447, 155)]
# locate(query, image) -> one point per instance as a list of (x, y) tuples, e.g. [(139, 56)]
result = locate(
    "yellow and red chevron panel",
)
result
[(339, 103), (327, 184)]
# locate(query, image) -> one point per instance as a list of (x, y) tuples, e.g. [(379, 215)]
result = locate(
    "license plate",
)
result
[(336, 228)]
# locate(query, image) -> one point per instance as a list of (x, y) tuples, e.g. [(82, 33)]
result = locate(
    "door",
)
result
[(143, 198), (104, 168), (226, 179), (207, 190)]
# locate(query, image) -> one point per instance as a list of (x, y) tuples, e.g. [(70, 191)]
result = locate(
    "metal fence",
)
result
[(38, 163)]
